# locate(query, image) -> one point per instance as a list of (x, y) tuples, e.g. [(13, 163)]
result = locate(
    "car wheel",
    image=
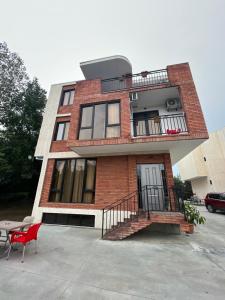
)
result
[(211, 209)]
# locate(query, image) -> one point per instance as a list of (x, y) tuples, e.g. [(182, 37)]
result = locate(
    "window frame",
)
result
[(56, 131), (63, 95), (106, 120), (84, 190)]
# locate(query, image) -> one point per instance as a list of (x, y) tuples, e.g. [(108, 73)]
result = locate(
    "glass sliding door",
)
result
[(147, 123)]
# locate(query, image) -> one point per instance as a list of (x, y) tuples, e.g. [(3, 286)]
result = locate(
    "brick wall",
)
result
[(89, 91), (59, 146), (115, 177), (181, 76)]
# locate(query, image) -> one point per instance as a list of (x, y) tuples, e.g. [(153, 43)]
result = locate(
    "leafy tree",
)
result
[(21, 131), (13, 80), (22, 102), (183, 189)]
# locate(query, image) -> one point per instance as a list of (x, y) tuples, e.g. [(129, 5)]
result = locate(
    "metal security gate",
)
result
[(152, 187)]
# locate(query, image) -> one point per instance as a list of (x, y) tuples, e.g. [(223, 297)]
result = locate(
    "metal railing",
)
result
[(129, 81), (139, 203), (167, 124)]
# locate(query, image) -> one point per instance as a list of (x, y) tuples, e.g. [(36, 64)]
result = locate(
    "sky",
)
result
[(53, 37)]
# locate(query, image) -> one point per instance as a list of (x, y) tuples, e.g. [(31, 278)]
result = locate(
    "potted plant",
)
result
[(193, 215), (144, 74)]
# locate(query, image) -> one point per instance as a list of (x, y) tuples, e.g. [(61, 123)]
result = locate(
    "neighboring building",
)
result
[(205, 166), (113, 137)]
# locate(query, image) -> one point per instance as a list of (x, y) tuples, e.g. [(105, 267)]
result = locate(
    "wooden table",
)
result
[(8, 226)]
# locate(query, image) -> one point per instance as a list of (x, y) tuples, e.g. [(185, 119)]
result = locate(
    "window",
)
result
[(100, 121), (210, 181), (73, 181), (67, 97), (62, 130), (214, 196), (204, 158), (68, 219), (222, 196)]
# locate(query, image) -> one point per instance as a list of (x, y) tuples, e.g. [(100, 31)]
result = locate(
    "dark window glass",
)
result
[(86, 120), (67, 219), (78, 181), (113, 131), (210, 181), (67, 97), (62, 130), (113, 113), (100, 121), (85, 134), (222, 196), (146, 123), (90, 182), (214, 196), (73, 181), (68, 181), (57, 181)]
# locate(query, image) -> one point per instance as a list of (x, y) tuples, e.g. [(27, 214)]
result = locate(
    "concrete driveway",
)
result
[(74, 263)]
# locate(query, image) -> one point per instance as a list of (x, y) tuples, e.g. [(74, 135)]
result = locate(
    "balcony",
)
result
[(152, 127), (134, 81), (145, 125)]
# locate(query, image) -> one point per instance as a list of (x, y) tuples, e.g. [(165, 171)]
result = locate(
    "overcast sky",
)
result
[(53, 36)]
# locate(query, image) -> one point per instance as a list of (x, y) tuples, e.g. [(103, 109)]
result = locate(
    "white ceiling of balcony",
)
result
[(155, 98), (107, 67), (177, 149)]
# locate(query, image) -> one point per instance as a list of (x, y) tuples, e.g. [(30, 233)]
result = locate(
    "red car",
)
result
[(215, 201)]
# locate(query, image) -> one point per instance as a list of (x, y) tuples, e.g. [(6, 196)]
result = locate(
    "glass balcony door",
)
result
[(146, 123)]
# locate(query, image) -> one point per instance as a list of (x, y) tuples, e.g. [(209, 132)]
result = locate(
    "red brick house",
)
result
[(108, 143)]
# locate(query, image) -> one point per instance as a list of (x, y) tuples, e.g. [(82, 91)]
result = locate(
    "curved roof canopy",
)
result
[(107, 67)]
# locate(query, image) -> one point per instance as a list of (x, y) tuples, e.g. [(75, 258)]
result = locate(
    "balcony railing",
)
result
[(130, 81), (160, 125)]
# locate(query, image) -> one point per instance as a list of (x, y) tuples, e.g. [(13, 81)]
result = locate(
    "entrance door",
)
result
[(146, 123), (152, 186)]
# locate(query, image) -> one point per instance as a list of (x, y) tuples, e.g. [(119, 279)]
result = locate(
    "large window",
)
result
[(61, 132), (67, 97), (73, 181), (100, 121)]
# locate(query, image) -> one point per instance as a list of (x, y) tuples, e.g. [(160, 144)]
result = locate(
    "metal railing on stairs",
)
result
[(140, 203)]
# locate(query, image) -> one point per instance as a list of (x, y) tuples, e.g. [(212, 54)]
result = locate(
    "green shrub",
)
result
[(193, 215)]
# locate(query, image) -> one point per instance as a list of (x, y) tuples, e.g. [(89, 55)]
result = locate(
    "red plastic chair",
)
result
[(24, 237)]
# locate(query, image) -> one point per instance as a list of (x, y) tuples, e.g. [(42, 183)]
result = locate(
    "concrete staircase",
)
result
[(135, 223)]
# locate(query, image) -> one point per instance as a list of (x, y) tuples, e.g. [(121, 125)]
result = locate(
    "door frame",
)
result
[(164, 181), (144, 116)]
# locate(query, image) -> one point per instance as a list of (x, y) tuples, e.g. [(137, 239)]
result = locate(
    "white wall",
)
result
[(194, 166)]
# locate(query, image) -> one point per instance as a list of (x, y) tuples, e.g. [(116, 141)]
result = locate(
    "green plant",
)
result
[(193, 215)]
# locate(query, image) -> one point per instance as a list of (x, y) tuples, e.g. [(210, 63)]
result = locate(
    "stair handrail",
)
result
[(114, 204)]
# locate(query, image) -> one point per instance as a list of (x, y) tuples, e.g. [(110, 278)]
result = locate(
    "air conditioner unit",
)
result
[(172, 104), (133, 96)]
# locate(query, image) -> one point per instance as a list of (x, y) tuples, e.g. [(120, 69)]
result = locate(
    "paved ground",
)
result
[(74, 263)]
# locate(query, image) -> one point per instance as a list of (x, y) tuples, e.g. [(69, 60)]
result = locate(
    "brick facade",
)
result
[(59, 146), (109, 186), (181, 76), (116, 176), (89, 91)]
